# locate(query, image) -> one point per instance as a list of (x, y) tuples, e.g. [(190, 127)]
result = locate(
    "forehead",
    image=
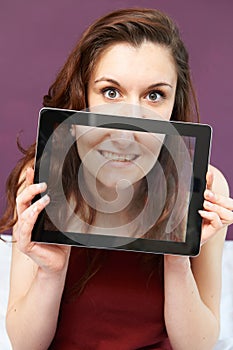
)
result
[(148, 59)]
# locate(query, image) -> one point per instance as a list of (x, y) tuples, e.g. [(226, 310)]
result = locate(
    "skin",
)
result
[(111, 83), (114, 164), (152, 88), (111, 155), (196, 282)]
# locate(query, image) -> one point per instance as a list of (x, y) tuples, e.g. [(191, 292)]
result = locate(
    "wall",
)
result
[(35, 38)]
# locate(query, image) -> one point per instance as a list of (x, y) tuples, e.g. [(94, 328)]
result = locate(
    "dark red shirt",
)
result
[(121, 306)]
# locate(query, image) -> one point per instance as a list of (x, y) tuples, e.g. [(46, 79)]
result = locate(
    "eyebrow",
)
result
[(113, 81)]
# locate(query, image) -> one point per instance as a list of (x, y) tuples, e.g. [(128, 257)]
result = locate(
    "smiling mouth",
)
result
[(116, 157)]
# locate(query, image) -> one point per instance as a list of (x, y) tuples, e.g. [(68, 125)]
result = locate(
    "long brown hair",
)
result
[(69, 90)]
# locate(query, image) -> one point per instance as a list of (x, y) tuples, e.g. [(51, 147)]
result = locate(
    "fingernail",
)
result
[(42, 186), (209, 194), (45, 199), (208, 204)]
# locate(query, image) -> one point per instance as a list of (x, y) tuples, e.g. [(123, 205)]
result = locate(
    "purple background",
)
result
[(36, 37)]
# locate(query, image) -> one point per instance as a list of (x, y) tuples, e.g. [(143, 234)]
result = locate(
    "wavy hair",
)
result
[(69, 90)]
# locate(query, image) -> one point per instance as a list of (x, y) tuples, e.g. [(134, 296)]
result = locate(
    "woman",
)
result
[(123, 301)]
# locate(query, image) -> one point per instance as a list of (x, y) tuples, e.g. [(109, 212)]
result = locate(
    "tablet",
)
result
[(121, 182)]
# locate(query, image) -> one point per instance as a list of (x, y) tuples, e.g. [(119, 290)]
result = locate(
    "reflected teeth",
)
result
[(118, 157)]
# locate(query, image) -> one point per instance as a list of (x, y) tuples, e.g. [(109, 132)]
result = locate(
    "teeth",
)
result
[(118, 157)]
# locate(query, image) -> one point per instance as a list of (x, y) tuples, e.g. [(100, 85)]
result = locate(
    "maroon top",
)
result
[(121, 306)]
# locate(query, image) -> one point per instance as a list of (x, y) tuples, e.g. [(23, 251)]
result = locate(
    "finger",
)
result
[(212, 217), (225, 215), (209, 179), (27, 222), (210, 225), (24, 199), (215, 198), (29, 177)]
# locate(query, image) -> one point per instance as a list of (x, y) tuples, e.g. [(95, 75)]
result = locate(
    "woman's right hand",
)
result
[(50, 258), (43, 274)]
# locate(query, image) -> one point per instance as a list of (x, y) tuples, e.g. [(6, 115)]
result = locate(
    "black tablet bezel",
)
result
[(48, 117)]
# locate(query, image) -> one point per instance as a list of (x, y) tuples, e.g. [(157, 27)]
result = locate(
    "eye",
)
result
[(111, 93), (155, 96)]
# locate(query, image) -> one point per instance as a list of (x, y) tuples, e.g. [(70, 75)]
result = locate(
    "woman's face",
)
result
[(145, 77)]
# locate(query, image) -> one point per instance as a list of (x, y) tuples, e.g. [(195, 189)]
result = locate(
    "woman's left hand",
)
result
[(217, 210)]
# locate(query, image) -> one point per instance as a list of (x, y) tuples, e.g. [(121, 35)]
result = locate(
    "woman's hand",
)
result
[(50, 258), (217, 211)]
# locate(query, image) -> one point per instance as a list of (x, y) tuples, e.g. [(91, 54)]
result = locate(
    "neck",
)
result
[(109, 200)]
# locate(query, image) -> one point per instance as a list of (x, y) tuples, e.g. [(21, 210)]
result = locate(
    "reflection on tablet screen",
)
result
[(121, 183)]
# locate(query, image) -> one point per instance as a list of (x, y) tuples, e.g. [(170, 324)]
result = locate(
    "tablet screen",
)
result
[(119, 182)]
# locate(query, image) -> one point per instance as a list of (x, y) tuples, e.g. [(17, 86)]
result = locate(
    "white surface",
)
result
[(227, 291), (226, 334), (5, 257)]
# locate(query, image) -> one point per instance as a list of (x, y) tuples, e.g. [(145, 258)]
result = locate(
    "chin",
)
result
[(118, 183)]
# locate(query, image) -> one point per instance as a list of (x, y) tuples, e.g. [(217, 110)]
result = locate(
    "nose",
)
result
[(122, 139), (130, 108)]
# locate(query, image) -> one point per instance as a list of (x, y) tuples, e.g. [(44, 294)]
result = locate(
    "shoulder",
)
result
[(220, 184)]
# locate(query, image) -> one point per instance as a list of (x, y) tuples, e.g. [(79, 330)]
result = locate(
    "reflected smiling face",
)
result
[(142, 76), (112, 155)]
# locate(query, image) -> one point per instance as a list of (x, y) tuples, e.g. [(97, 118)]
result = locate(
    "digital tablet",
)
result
[(121, 182)]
